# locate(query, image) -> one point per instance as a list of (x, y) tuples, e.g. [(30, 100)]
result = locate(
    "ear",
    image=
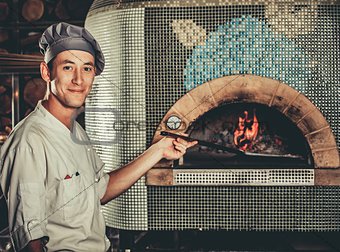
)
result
[(45, 72)]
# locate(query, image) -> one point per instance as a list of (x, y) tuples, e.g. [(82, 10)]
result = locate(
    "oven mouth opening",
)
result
[(269, 139)]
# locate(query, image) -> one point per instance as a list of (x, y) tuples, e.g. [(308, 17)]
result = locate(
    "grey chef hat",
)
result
[(63, 36)]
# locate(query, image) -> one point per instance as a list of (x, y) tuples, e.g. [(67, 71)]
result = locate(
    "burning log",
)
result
[(246, 131)]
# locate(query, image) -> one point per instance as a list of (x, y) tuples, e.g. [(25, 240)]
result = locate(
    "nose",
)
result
[(77, 77)]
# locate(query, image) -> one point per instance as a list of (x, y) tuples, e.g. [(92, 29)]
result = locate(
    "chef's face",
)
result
[(71, 77)]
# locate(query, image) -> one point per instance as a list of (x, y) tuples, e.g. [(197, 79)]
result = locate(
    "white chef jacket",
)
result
[(53, 182)]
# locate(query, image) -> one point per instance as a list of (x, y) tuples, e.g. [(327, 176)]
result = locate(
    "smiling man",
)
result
[(70, 79), (54, 186)]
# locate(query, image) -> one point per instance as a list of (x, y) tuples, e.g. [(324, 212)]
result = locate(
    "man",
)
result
[(53, 185)]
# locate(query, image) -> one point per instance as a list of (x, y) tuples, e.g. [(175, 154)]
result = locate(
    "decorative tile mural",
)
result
[(247, 45)]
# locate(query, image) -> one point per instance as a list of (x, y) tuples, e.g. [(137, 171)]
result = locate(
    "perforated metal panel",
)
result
[(115, 109), (246, 177), (244, 208), (156, 51)]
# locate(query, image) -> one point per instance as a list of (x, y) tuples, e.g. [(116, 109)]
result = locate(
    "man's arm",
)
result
[(124, 177), (22, 182)]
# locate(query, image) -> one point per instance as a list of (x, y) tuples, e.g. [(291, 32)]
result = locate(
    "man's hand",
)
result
[(174, 148)]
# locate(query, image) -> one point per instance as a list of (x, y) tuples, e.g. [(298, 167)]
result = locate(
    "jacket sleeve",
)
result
[(102, 178), (24, 172)]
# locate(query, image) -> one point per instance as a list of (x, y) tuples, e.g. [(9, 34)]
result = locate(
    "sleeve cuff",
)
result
[(24, 234), (102, 185)]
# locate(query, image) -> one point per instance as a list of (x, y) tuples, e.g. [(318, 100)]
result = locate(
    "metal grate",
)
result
[(156, 51), (246, 177), (244, 208)]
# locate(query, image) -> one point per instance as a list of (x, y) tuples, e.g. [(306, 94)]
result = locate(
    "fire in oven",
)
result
[(245, 135)]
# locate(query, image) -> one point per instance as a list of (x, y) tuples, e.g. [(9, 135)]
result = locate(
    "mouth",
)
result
[(75, 91)]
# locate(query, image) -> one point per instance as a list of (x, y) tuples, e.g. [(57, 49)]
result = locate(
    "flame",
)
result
[(246, 131)]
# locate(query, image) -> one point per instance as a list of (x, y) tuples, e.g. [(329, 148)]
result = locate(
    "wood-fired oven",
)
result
[(283, 138), (259, 78)]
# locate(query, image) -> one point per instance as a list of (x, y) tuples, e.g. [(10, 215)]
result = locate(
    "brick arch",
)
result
[(256, 89)]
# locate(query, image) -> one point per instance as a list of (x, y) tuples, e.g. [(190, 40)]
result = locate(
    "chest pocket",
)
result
[(74, 196)]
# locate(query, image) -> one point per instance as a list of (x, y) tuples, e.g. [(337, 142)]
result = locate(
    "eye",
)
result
[(88, 69), (67, 68)]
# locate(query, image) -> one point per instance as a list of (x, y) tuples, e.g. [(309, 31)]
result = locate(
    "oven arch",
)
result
[(256, 89)]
